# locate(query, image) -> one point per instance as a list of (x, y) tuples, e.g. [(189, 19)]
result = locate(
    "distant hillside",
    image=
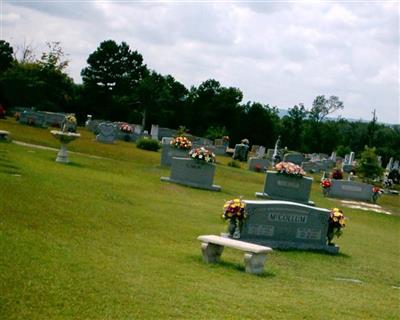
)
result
[(285, 112)]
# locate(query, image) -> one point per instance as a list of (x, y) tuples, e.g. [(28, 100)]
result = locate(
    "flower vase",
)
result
[(330, 235), (325, 191), (235, 228)]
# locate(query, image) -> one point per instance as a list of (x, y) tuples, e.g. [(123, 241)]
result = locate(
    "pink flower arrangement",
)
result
[(124, 127), (290, 168), (181, 142)]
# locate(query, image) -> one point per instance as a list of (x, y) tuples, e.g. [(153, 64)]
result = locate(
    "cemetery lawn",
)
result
[(105, 239)]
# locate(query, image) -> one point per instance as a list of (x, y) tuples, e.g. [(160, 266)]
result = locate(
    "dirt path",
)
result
[(37, 146)]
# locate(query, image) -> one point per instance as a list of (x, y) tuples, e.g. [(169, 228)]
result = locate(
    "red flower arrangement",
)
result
[(337, 174), (376, 192), (326, 185)]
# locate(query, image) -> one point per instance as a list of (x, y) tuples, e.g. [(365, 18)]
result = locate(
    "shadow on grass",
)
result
[(10, 172), (7, 165), (76, 164), (318, 252), (71, 163), (223, 264)]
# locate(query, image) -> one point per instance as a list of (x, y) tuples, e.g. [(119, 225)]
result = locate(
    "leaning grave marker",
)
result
[(286, 225)]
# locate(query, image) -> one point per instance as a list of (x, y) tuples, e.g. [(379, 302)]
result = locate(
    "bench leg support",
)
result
[(211, 252), (255, 262)]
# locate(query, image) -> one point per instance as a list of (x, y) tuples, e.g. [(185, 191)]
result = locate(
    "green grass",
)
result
[(105, 239)]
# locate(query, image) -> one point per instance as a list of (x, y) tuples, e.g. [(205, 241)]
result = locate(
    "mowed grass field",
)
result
[(106, 239)]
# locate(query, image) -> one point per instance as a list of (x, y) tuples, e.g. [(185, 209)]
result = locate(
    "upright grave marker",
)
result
[(108, 132), (286, 225), (345, 189), (279, 186)]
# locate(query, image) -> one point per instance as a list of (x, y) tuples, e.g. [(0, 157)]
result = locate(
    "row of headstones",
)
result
[(41, 119), (349, 163), (108, 132), (289, 220), (257, 162), (292, 222)]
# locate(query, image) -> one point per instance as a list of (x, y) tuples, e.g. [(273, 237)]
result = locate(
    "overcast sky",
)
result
[(279, 53)]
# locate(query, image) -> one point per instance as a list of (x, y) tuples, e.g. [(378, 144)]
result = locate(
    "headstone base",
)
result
[(263, 195), (192, 184), (286, 245)]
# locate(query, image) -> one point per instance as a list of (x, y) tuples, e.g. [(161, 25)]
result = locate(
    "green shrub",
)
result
[(234, 164), (148, 144), (368, 167)]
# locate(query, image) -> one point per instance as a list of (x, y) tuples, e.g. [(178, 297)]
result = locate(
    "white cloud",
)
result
[(276, 53)]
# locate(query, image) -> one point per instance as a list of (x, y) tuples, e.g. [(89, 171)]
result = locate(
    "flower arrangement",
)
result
[(181, 142), (337, 221), (234, 211), (376, 192), (202, 154), (70, 119), (69, 123), (126, 128), (290, 168), (337, 174), (326, 185)]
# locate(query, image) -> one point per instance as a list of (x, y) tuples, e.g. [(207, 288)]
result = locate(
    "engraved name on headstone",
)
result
[(286, 225)]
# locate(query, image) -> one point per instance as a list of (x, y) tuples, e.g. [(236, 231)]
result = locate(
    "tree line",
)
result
[(118, 86)]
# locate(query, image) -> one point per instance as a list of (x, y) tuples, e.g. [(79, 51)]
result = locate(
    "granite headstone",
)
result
[(280, 186), (286, 225), (192, 173)]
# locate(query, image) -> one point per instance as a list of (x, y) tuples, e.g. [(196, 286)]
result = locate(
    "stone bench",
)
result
[(4, 135), (254, 257)]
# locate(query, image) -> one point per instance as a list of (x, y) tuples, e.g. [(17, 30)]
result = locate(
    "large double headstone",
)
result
[(286, 225), (279, 186)]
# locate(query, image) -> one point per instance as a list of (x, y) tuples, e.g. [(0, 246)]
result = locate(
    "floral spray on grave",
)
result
[(337, 221), (234, 211)]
